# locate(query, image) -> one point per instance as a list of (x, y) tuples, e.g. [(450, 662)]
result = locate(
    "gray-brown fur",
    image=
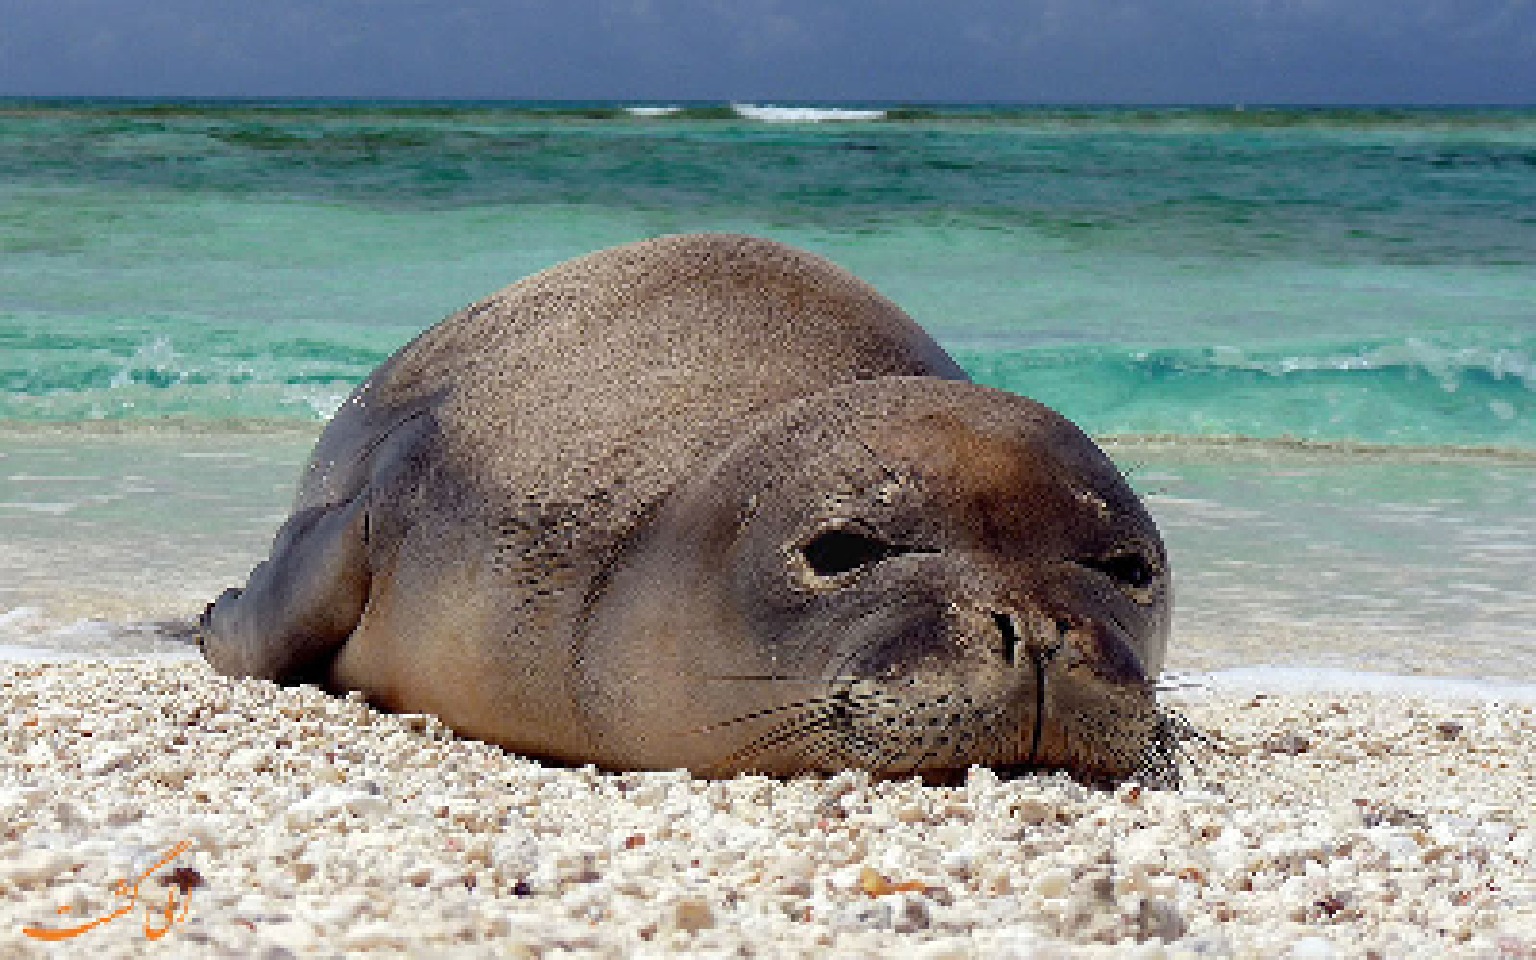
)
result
[(488, 514)]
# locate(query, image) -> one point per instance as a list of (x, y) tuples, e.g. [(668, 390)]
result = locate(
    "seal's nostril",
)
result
[(1010, 634)]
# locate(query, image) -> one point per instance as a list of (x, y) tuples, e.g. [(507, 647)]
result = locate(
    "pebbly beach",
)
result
[(1310, 825)]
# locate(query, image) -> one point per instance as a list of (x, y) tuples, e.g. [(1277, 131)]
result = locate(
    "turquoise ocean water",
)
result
[(1309, 334)]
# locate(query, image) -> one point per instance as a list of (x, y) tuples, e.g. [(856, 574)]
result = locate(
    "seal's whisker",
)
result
[(808, 722), (762, 714), (841, 738), (821, 681), (1174, 733), (1181, 729), (775, 735), (991, 738), (884, 759), (822, 719), (915, 766), (1008, 733), (742, 758), (840, 698), (826, 743), (902, 747), (946, 741), (1141, 740), (850, 737), (800, 749), (851, 757), (906, 743)]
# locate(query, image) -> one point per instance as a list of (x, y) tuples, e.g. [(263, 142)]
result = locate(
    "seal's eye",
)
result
[(835, 552), (1131, 569)]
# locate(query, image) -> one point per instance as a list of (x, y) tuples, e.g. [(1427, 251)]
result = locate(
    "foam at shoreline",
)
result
[(1308, 681)]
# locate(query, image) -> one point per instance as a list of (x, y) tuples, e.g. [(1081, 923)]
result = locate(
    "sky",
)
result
[(1051, 51)]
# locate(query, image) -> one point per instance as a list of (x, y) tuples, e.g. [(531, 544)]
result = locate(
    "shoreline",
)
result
[(103, 641), (1315, 825), (1219, 447)]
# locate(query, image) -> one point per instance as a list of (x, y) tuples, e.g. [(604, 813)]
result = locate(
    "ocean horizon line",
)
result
[(661, 114), (301, 101)]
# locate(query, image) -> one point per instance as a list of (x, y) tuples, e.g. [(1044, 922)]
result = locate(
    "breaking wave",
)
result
[(775, 114), (1412, 392), (1408, 392), (653, 111)]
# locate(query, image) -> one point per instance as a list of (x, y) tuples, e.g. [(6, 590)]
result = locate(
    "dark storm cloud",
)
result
[(1427, 51)]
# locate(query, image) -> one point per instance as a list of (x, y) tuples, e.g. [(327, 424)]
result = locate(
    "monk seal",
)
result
[(711, 502)]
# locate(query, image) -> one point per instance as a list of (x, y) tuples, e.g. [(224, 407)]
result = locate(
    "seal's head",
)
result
[(904, 575)]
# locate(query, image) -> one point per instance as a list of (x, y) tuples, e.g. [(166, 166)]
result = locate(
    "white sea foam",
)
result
[(324, 403), (17, 653), (652, 111), (1328, 680), (1445, 363), (29, 634), (20, 618), (157, 357), (774, 114), (48, 507), (20, 653)]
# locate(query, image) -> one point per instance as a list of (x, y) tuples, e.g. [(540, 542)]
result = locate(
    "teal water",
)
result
[(1329, 275), (188, 290)]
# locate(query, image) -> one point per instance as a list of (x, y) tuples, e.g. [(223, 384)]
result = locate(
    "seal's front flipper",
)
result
[(299, 606)]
